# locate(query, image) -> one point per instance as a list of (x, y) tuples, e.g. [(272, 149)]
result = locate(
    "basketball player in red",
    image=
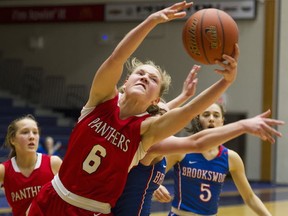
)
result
[(23, 175), (112, 133)]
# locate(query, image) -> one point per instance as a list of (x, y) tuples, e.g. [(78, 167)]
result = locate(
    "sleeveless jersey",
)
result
[(141, 183), (198, 182), (100, 152), (19, 189)]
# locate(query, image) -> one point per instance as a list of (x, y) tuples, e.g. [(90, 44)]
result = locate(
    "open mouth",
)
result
[(141, 84)]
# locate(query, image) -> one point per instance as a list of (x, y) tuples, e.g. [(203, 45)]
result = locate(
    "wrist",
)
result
[(242, 126)]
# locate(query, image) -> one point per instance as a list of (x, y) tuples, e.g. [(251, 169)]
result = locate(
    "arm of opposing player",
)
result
[(237, 171), (188, 90)]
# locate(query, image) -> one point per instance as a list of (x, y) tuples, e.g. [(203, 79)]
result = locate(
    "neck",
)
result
[(130, 107), (212, 153), (26, 161)]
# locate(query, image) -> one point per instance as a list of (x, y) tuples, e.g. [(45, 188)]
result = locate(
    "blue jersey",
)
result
[(141, 183), (199, 182)]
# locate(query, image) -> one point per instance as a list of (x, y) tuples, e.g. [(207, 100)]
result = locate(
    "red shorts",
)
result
[(48, 203)]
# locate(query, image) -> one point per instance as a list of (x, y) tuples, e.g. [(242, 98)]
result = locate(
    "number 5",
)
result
[(205, 188)]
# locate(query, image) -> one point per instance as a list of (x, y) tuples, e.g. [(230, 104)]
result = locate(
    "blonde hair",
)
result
[(133, 63), (11, 133)]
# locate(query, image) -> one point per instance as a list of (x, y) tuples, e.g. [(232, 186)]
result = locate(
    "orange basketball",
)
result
[(208, 34)]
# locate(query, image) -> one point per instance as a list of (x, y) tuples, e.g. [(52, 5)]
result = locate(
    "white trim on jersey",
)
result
[(37, 165), (185, 213), (79, 201)]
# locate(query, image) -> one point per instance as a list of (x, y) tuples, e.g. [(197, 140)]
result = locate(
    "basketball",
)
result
[(208, 34)]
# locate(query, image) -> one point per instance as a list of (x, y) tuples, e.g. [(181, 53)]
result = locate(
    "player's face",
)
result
[(27, 136), (145, 82), (212, 117)]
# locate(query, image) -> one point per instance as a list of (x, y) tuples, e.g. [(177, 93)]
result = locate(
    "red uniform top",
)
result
[(101, 149), (19, 189)]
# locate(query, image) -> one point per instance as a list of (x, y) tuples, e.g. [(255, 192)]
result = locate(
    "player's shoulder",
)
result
[(232, 153), (55, 159), (2, 172), (235, 160)]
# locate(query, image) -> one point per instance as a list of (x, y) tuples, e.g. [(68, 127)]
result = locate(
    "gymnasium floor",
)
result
[(275, 197)]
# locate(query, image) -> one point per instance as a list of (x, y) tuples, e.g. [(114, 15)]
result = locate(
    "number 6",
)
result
[(93, 160)]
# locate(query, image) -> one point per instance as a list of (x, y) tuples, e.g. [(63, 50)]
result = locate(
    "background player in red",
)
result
[(26, 171), (112, 133)]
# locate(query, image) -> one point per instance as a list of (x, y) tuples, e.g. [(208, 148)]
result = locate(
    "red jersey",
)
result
[(101, 149), (19, 189)]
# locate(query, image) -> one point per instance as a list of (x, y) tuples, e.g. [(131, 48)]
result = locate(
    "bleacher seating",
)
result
[(48, 123)]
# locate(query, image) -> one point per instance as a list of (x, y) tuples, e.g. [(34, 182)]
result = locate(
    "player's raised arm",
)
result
[(111, 70), (155, 130), (260, 126), (188, 90)]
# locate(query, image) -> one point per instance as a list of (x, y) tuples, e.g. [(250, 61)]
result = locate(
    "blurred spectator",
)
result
[(49, 146)]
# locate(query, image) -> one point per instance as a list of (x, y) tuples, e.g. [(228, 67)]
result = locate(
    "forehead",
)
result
[(148, 69), (26, 123), (214, 108)]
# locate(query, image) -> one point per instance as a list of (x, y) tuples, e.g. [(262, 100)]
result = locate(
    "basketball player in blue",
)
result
[(199, 177), (146, 177)]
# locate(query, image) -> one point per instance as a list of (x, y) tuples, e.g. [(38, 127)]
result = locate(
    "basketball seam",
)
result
[(223, 35), (202, 41)]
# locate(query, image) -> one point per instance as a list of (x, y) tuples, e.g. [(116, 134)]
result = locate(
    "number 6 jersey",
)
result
[(101, 150)]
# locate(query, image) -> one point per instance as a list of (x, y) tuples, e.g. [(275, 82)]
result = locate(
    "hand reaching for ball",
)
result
[(229, 65)]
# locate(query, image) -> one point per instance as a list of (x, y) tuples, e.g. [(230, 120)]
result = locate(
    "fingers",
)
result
[(193, 73), (263, 127), (265, 114), (230, 62), (162, 194), (176, 10), (196, 68), (236, 52), (266, 135), (181, 5), (162, 197), (267, 132)]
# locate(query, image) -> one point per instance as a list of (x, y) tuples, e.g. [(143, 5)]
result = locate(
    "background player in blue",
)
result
[(199, 177), (146, 177)]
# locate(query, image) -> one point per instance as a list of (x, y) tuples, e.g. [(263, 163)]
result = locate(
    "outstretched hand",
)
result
[(262, 126), (229, 65), (176, 11), (190, 84)]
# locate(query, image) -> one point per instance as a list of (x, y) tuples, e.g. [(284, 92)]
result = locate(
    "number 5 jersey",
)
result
[(199, 182)]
